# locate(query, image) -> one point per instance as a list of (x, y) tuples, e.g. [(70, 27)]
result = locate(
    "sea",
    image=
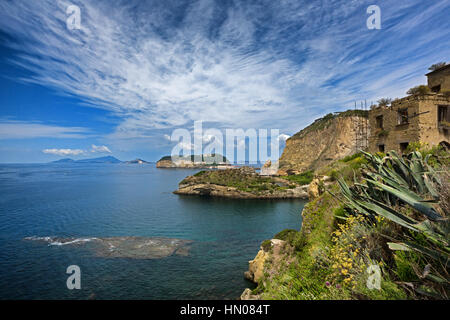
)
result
[(128, 234)]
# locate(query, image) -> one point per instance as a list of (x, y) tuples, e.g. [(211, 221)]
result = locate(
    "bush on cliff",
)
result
[(347, 168), (418, 90), (288, 235), (302, 178)]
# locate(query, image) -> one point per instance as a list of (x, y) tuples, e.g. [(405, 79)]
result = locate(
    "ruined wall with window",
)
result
[(393, 127), (414, 118), (439, 80), (434, 125)]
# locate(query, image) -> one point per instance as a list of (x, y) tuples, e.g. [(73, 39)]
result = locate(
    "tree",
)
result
[(383, 102), (418, 91), (436, 66)]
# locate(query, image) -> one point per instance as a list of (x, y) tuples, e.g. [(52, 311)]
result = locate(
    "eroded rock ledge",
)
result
[(273, 254)]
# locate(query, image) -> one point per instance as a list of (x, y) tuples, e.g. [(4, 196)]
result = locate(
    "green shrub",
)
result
[(437, 66), (384, 102), (287, 235), (418, 91), (334, 175), (266, 245), (302, 179), (351, 157), (404, 262)]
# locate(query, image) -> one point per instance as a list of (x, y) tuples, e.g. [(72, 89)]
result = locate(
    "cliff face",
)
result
[(327, 139), (165, 164)]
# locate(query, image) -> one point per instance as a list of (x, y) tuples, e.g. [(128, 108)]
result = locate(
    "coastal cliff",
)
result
[(328, 139)]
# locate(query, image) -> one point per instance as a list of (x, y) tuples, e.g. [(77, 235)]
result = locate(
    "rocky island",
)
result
[(241, 183), (137, 161), (216, 161)]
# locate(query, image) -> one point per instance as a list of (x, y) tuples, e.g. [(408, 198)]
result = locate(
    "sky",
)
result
[(135, 71)]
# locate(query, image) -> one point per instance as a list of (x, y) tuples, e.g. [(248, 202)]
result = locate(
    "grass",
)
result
[(301, 179), (351, 157), (242, 181), (266, 245), (404, 262), (348, 168)]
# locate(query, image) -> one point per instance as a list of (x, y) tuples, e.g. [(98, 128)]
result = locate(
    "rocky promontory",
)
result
[(240, 183)]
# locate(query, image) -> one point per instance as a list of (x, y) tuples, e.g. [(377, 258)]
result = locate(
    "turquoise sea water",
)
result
[(112, 200)]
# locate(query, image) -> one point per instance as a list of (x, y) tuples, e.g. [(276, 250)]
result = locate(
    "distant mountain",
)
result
[(67, 160), (108, 159)]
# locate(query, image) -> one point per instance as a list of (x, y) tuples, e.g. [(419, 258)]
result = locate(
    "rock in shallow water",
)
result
[(124, 247)]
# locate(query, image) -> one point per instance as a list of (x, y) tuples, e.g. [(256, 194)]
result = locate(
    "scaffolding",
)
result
[(361, 127)]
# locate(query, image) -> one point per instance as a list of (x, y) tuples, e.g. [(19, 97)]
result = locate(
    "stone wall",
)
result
[(421, 123), (431, 131), (440, 77)]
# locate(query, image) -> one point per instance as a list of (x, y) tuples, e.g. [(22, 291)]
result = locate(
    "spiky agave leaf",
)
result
[(413, 200)]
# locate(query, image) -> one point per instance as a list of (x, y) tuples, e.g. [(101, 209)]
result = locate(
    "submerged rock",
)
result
[(124, 247)]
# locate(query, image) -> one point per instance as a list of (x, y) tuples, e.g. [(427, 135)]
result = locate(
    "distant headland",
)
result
[(194, 161)]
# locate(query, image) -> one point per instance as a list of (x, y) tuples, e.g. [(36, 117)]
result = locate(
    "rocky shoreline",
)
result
[(274, 252)]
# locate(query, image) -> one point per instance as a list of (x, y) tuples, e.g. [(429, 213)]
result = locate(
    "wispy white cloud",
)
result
[(10, 129), (100, 149), (266, 64), (77, 152), (64, 152), (283, 137)]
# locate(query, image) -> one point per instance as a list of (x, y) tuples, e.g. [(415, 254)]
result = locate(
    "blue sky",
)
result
[(137, 70)]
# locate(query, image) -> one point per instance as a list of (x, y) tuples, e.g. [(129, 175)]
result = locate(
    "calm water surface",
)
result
[(83, 201)]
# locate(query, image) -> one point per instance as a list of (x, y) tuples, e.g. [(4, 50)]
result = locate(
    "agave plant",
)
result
[(391, 183)]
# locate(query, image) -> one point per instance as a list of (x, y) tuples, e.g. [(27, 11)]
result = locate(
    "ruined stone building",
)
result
[(424, 117)]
